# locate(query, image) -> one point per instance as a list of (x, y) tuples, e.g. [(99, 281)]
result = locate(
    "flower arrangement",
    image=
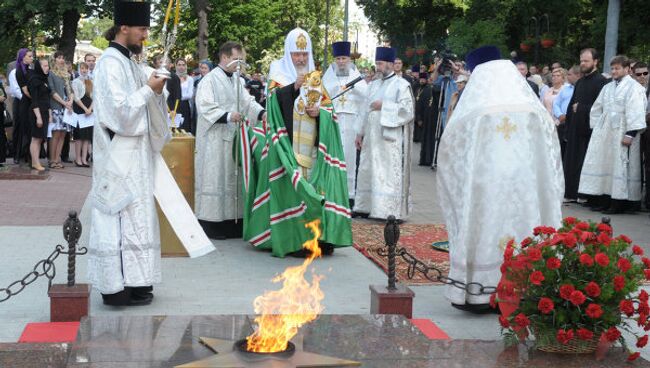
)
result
[(573, 287)]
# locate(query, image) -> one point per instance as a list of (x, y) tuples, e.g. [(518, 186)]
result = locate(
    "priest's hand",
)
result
[(359, 142), (235, 117), (376, 105), (562, 119), (156, 83), (300, 80), (264, 117), (627, 141), (313, 111)]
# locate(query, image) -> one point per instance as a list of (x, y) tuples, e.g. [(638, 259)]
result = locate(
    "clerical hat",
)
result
[(482, 55), (415, 68), (385, 54), (341, 48), (132, 13), (424, 75)]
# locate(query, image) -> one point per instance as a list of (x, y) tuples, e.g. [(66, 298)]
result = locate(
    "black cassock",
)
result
[(429, 106), (419, 118), (286, 97), (578, 131)]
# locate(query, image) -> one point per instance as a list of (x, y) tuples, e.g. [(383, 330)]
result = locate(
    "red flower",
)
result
[(493, 300), (522, 321), (646, 272), (612, 334), (526, 241), (507, 254), (534, 254), (536, 277), (604, 238), (633, 356), (637, 250), (586, 259), (644, 308), (570, 240), (577, 298), (625, 238), (564, 336), (545, 305), (643, 296), (619, 283), (594, 311), (604, 228), (646, 261), (570, 220), (624, 264), (565, 291), (553, 263), (504, 322), (592, 289), (602, 259), (626, 307), (582, 226), (587, 237), (585, 334), (642, 341)]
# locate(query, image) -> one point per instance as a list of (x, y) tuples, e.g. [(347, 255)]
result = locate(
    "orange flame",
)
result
[(285, 310)]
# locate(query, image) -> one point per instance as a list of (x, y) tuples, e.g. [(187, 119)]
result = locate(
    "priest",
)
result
[(222, 103), (385, 138), (499, 173), (612, 166), (298, 171), (347, 106)]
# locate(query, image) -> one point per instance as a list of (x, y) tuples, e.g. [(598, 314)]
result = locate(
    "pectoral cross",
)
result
[(507, 128), (342, 99)]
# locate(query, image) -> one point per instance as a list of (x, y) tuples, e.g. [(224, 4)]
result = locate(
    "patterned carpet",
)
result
[(415, 238)]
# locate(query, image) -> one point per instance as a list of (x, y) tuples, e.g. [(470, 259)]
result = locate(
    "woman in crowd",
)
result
[(3, 135), (461, 81), (39, 91), (558, 81), (22, 122), (187, 92), (61, 103), (83, 106)]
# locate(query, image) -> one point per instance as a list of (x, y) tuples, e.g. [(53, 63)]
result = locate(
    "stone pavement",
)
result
[(227, 280)]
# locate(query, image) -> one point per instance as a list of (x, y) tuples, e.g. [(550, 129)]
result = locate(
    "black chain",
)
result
[(44, 267), (434, 274)]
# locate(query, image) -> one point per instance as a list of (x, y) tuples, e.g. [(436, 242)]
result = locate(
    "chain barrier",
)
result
[(46, 267)]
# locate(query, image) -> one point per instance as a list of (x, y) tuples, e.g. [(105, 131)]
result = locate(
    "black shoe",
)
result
[(476, 308), (303, 253), (360, 214), (125, 299), (138, 292), (613, 211), (327, 249)]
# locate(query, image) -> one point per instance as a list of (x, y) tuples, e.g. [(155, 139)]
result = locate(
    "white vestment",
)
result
[(128, 170), (499, 174), (610, 167), (383, 185), (347, 109), (216, 185)]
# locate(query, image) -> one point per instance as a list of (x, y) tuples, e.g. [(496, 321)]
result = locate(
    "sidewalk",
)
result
[(227, 280)]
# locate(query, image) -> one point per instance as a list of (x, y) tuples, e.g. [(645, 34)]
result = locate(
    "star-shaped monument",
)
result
[(230, 357)]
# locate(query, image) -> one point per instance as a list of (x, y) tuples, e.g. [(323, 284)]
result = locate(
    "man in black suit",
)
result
[(523, 69)]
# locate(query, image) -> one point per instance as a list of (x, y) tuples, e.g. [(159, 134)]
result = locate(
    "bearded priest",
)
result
[(499, 174), (347, 106), (384, 138), (220, 110), (298, 171)]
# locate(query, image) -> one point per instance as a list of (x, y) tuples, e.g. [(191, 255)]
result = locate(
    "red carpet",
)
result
[(368, 238), (429, 329), (50, 332)]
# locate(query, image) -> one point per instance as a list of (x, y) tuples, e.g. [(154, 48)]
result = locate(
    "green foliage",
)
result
[(464, 36)]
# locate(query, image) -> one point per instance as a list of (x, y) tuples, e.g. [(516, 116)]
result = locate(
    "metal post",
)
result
[(391, 236), (71, 234), (327, 30), (346, 20)]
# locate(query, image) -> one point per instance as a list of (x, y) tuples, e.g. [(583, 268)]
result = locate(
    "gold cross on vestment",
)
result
[(507, 128), (342, 99)]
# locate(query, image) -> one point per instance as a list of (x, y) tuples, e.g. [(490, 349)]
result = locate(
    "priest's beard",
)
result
[(343, 71), (136, 49), (302, 70)]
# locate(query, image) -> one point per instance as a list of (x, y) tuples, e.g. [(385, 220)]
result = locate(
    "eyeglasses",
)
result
[(640, 74)]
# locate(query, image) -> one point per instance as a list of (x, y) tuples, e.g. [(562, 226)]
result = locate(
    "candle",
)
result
[(169, 11), (178, 10)]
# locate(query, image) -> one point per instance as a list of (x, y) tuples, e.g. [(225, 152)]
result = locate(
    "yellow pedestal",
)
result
[(179, 156)]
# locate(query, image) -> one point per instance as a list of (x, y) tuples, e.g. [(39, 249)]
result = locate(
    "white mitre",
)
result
[(282, 71)]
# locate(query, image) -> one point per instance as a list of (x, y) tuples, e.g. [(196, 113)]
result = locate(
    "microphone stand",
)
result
[(239, 63), (348, 89)]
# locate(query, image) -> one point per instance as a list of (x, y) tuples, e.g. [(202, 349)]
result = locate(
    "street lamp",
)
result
[(534, 28)]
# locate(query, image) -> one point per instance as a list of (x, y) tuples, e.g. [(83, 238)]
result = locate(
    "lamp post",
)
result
[(327, 29), (534, 28), (346, 20)]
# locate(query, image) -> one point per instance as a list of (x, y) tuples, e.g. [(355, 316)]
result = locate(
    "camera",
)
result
[(447, 59)]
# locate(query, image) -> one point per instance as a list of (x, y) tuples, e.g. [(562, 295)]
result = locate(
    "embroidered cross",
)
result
[(507, 128), (342, 100)]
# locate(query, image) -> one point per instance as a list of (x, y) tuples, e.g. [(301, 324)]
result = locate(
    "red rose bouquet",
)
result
[(573, 287)]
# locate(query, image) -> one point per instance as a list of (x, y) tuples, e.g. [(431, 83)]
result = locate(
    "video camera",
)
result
[(447, 58)]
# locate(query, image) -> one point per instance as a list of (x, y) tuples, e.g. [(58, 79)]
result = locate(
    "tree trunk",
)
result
[(68, 40), (202, 39), (611, 34)]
